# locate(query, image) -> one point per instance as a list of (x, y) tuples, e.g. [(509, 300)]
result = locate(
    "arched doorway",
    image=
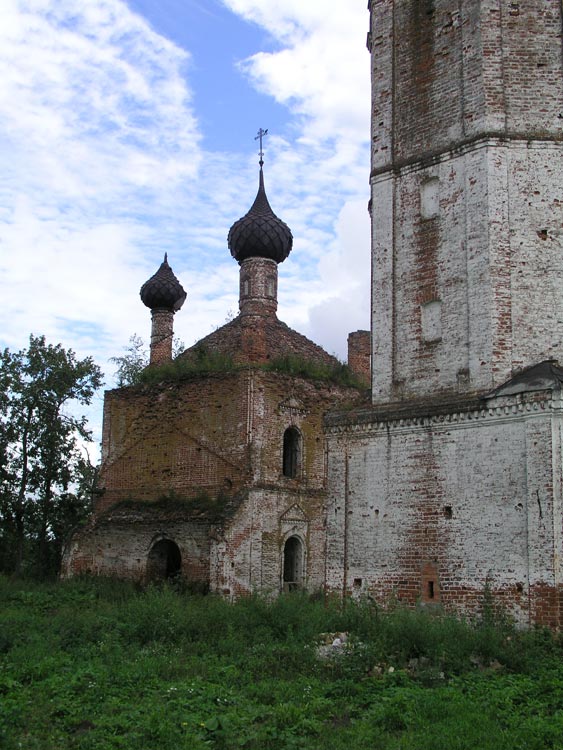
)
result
[(292, 564), (164, 561)]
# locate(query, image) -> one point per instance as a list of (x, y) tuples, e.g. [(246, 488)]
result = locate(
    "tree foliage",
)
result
[(131, 364), (45, 475)]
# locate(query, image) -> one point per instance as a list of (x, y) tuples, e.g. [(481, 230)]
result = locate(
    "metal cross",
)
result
[(260, 136)]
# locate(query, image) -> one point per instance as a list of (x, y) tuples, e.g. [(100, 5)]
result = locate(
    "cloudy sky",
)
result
[(127, 130)]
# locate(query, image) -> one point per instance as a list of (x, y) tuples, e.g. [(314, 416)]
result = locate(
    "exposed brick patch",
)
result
[(359, 355), (253, 338), (162, 333)]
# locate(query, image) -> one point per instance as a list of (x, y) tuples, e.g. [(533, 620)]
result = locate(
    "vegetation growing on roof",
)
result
[(201, 361), (338, 373), (135, 359)]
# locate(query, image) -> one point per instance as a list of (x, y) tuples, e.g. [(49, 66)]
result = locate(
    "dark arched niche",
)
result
[(292, 564), (164, 561), (291, 452)]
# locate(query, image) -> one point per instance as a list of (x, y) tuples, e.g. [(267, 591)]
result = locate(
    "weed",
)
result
[(96, 664), (199, 362), (337, 373)]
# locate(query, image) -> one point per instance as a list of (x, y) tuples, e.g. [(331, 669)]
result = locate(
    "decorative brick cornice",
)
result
[(488, 140), (433, 158), (369, 421)]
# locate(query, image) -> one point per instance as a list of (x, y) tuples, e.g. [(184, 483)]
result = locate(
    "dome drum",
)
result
[(258, 286)]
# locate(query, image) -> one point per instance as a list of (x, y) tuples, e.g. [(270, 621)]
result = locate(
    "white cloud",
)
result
[(322, 70), (338, 298), (93, 102), (96, 112)]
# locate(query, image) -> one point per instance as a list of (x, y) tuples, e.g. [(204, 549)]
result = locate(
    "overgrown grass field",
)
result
[(100, 665)]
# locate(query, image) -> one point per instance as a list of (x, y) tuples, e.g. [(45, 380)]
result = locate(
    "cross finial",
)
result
[(260, 136)]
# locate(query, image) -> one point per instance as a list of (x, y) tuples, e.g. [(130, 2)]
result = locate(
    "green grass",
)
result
[(338, 373), (202, 362), (101, 665)]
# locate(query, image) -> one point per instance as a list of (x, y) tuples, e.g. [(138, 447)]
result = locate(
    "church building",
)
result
[(218, 474), (444, 488)]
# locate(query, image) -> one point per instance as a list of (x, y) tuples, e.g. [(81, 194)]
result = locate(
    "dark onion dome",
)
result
[(163, 290), (260, 234)]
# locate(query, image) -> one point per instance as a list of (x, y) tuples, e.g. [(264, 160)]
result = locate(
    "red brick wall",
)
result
[(359, 355), (222, 434), (181, 437), (257, 339), (162, 333)]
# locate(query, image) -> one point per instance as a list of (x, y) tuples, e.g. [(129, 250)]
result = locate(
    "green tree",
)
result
[(42, 463), (131, 364)]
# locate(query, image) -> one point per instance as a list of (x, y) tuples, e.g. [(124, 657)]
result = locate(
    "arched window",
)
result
[(271, 286), (291, 452), (293, 564), (164, 561), (245, 286)]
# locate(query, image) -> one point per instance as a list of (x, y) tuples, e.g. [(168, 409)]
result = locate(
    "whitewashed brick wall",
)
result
[(469, 101), (471, 493)]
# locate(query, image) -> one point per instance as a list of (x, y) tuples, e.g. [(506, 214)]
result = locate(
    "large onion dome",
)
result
[(163, 290), (260, 234)]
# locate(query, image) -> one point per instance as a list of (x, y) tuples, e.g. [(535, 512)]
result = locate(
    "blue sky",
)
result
[(227, 106), (127, 130)]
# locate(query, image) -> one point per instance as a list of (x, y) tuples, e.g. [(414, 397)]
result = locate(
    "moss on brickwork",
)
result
[(201, 505)]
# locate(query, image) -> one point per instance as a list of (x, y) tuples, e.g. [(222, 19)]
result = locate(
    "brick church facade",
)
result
[(220, 475), (447, 483)]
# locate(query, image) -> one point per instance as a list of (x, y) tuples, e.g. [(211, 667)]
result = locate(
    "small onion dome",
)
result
[(260, 234), (163, 290)]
